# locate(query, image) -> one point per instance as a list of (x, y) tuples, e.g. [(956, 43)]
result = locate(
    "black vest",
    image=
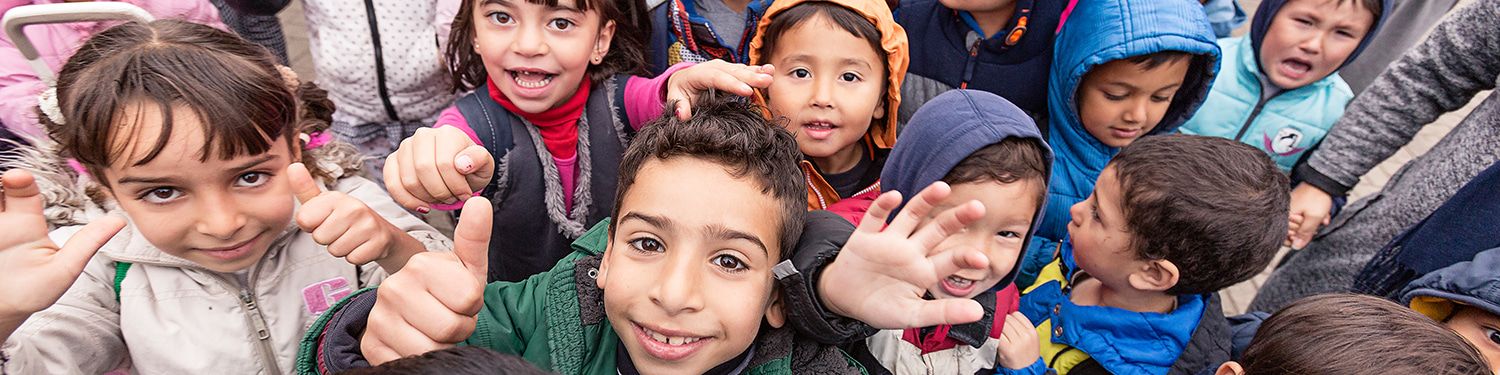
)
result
[(532, 229)]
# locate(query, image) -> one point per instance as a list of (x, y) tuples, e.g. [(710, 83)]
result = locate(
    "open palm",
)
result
[(34, 270)]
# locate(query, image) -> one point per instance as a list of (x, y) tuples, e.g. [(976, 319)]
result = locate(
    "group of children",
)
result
[(833, 186)]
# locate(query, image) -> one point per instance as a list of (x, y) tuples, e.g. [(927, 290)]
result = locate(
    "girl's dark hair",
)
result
[(627, 51), (232, 86), (1340, 334)]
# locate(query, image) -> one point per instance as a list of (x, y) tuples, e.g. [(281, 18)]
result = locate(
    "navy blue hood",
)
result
[(1269, 8), (945, 131)]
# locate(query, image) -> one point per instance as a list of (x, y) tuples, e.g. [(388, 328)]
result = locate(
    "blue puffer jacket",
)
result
[(1098, 32), (1284, 125)]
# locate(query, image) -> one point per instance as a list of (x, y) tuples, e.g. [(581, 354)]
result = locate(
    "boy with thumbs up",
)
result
[(683, 279)]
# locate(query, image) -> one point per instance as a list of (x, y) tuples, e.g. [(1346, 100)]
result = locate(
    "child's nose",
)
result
[(676, 291), (529, 41), (220, 218), (822, 94)]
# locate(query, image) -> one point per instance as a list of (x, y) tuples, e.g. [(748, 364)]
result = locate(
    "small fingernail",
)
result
[(464, 163), (423, 210)]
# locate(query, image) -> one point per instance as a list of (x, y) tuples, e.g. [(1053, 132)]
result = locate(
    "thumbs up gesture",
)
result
[(430, 305), (34, 271), (349, 228)]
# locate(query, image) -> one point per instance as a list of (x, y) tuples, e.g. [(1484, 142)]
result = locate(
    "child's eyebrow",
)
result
[(853, 61), (655, 221), (253, 162), (559, 5), (722, 233)]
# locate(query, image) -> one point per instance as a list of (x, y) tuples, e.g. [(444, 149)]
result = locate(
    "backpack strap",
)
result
[(120, 269), (491, 123)]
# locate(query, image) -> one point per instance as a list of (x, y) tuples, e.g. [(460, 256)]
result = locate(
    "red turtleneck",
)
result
[(559, 125)]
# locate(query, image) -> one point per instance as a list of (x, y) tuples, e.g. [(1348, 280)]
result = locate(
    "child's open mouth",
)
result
[(958, 286), (1294, 68), (819, 130), (530, 78), (668, 346)]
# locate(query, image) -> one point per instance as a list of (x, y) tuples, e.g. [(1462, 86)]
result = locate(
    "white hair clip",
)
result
[(47, 102)]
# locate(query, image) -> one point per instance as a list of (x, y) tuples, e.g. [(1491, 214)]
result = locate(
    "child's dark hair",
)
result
[(1348, 334), (627, 51), (1213, 207), (730, 132), (461, 360), (1154, 60), (232, 86), (844, 18), (1013, 159)]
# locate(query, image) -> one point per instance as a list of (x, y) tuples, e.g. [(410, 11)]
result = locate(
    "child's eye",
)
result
[(1008, 234), (560, 24), (801, 73), (647, 245), (161, 195), (849, 77), (252, 179), (1493, 335), (500, 18), (1094, 211), (1303, 21), (729, 262), (1113, 97), (1159, 98)]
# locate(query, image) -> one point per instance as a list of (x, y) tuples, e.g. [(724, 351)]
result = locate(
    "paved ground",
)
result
[(1236, 298)]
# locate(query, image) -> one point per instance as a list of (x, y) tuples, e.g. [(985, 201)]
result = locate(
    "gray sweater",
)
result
[(1458, 60)]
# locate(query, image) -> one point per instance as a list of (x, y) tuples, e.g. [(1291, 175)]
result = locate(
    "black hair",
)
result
[(627, 50)]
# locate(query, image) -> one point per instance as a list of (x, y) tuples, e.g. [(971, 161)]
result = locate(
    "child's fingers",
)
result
[(471, 237), (21, 193), (949, 261), (947, 223), (398, 335), (879, 210), (918, 208), (407, 172), (82, 246), (453, 164), (927, 313), (436, 320), (751, 76), (397, 190), (477, 166), (431, 164), (302, 183)]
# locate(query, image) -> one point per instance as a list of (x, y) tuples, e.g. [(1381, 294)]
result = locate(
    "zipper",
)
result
[(385, 94), (256, 319), (969, 63), (1253, 114)]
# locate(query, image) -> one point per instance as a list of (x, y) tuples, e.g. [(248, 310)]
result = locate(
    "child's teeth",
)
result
[(670, 340)]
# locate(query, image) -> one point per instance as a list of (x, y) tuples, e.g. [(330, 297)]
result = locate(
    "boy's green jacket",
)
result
[(556, 321)]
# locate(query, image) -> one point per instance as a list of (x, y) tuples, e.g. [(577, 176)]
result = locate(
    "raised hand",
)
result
[(437, 166), (1310, 208), (684, 86), (881, 275), (1019, 343), (34, 271), (347, 226), (430, 305)]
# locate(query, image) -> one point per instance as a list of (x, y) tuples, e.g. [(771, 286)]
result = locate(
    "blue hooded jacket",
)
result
[(1472, 283), (1098, 32), (1285, 124), (948, 129)]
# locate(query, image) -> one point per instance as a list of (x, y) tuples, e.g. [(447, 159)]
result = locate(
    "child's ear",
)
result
[(880, 107), (1230, 368), (604, 265), (601, 44), (774, 313), (1155, 275)]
